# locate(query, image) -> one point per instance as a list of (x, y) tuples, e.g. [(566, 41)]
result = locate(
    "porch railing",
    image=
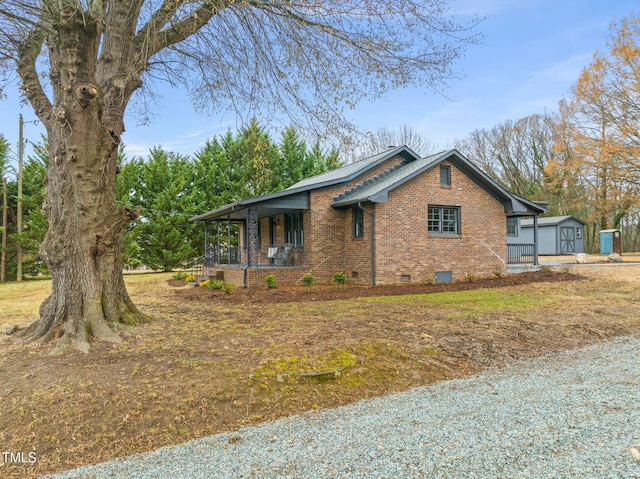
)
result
[(275, 255), (222, 255), (521, 253)]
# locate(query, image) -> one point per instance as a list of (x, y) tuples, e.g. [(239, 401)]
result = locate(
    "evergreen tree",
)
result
[(35, 223), (259, 158), (219, 175), (128, 195), (248, 164), (317, 161), (293, 159), (165, 235)]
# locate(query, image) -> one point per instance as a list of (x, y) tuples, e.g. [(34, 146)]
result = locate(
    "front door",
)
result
[(567, 240)]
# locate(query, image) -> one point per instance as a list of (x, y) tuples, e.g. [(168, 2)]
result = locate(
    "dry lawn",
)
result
[(211, 362)]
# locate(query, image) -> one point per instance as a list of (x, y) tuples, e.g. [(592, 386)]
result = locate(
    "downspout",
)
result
[(535, 241), (244, 276), (373, 243)]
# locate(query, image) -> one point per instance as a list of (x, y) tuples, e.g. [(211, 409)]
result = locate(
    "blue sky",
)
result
[(531, 54)]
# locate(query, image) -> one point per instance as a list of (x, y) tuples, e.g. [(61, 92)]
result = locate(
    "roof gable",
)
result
[(353, 170), (377, 189)]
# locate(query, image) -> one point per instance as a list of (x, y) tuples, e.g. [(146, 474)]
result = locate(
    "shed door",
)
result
[(606, 243), (567, 240)]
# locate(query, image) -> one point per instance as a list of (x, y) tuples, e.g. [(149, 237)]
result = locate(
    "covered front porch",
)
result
[(265, 235)]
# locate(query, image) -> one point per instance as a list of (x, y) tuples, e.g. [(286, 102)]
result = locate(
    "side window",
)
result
[(358, 223), (512, 226), (445, 175), (444, 220)]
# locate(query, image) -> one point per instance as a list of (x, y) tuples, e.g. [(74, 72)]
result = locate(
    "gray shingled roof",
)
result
[(386, 181), (549, 221), (345, 172), (335, 177), (377, 188)]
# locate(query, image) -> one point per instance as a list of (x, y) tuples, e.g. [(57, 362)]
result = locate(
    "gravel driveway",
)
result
[(569, 415)]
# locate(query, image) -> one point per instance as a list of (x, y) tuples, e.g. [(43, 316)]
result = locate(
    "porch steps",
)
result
[(203, 277)]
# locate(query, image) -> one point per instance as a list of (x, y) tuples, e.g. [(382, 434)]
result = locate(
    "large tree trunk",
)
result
[(83, 244)]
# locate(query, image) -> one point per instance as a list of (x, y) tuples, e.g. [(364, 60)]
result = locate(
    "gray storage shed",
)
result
[(556, 234)]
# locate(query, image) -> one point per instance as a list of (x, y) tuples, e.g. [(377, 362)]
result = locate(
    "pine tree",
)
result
[(167, 195)]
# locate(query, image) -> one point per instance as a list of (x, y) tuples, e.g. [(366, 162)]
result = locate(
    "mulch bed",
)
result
[(327, 292)]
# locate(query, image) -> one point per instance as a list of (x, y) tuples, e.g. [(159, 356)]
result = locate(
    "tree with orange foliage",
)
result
[(600, 137)]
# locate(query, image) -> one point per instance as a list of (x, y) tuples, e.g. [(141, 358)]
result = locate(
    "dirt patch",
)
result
[(211, 362)]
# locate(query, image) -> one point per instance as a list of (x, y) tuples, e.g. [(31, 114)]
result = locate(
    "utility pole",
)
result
[(3, 259), (20, 160)]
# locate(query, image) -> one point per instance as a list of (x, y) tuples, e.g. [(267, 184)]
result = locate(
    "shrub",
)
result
[(205, 283), (180, 276), (546, 270), (339, 278), (270, 281), (308, 279), (470, 277), (220, 285), (216, 284), (498, 270), (189, 278)]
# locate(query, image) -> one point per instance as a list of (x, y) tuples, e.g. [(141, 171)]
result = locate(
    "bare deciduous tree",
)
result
[(514, 153), (310, 58), (385, 137), (601, 114)]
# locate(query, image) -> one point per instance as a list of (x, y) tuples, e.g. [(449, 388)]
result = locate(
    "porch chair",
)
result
[(286, 253), (272, 254)]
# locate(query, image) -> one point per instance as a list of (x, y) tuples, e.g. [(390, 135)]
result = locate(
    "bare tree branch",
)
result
[(31, 85), (308, 59)]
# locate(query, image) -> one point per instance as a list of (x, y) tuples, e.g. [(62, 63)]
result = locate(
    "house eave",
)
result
[(267, 205)]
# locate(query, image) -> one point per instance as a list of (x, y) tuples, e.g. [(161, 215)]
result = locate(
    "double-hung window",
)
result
[(512, 226), (443, 220)]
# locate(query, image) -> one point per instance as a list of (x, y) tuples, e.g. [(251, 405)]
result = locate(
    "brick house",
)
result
[(389, 218)]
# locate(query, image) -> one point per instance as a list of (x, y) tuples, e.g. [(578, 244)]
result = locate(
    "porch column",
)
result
[(252, 236), (217, 258), (206, 244), (535, 240), (228, 240)]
